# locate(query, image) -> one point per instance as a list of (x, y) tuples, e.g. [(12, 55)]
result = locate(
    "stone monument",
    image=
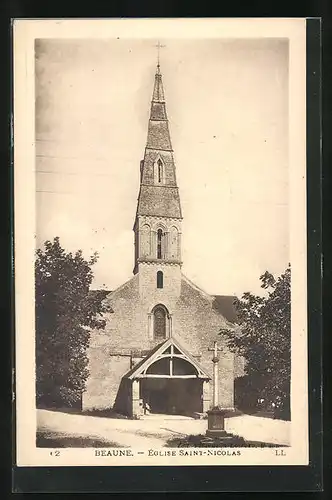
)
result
[(216, 416)]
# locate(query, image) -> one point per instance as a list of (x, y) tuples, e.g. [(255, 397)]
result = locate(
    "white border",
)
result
[(25, 32)]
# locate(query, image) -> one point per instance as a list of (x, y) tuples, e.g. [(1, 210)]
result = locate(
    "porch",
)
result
[(169, 381)]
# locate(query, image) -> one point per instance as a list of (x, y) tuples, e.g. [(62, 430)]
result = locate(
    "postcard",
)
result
[(160, 242)]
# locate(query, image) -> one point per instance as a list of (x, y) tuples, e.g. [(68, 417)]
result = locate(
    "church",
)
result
[(156, 348)]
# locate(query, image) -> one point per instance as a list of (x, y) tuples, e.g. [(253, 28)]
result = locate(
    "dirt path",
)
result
[(154, 431), (146, 433)]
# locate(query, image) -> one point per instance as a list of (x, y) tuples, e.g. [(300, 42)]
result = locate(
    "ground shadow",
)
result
[(203, 441), (46, 439), (105, 413)]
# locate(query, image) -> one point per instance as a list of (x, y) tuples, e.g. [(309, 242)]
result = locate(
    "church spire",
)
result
[(158, 91), (158, 130), (159, 195)]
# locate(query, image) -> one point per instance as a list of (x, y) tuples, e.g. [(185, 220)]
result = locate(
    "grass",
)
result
[(47, 439), (203, 441)]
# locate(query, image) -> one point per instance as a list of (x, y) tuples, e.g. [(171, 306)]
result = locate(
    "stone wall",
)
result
[(106, 373), (195, 324)]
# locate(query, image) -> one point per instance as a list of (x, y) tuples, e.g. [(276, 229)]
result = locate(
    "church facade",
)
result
[(156, 346)]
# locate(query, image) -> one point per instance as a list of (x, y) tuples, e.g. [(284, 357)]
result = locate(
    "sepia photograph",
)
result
[(161, 242)]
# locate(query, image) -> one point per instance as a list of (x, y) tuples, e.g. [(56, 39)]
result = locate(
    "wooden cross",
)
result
[(159, 46)]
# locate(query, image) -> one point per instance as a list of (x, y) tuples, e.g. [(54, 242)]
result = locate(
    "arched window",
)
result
[(160, 279), (160, 170), (159, 316), (159, 243)]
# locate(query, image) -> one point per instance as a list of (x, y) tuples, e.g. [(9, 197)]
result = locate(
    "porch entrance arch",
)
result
[(169, 380)]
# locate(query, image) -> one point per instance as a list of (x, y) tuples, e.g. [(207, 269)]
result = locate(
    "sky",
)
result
[(227, 103)]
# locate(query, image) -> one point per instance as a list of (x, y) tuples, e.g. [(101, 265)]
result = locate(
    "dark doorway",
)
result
[(173, 396)]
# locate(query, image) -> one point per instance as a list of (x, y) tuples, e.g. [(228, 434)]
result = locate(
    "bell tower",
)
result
[(158, 219)]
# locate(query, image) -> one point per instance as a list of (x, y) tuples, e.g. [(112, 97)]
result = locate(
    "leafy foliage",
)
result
[(264, 339), (66, 312)]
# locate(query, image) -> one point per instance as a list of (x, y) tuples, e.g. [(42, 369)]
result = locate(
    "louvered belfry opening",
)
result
[(159, 244)]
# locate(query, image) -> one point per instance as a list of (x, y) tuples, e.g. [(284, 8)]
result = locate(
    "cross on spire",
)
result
[(159, 46)]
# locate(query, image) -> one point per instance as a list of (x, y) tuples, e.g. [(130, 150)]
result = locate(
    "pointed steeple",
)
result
[(159, 194), (158, 131), (158, 91), (158, 200)]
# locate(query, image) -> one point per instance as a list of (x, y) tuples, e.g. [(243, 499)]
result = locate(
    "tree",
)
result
[(66, 311), (263, 337)]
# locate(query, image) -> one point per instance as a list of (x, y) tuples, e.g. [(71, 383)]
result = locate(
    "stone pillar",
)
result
[(135, 399), (216, 416), (215, 361), (206, 396)]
